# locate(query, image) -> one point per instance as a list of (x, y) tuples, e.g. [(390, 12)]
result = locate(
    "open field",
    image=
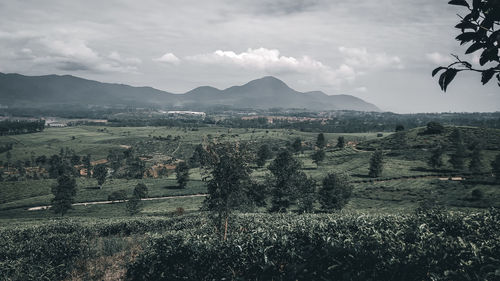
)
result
[(405, 182)]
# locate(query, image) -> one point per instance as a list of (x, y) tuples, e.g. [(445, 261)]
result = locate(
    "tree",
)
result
[(495, 167), (376, 164), (436, 159), (63, 192), (476, 162), (285, 172), (229, 185), (306, 193), (434, 128), (263, 154), (135, 168), (321, 141), (480, 28), (334, 192), (318, 156), (199, 157), (141, 190), (457, 159), (134, 204), (399, 128), (87, 164), (297, 145), (182, 174), (100, 173), (340, 142)]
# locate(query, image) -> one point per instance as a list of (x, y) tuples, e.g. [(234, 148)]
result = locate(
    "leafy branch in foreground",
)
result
[(479, 27)]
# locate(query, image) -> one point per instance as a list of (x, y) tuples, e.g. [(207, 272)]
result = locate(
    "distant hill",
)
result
[(267, 92), (418, 139)]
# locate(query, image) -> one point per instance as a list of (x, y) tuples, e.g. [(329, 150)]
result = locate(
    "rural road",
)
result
[(120, 201)]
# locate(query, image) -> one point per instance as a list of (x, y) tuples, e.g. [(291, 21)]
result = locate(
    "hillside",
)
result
[(417, 138), (44, 91)]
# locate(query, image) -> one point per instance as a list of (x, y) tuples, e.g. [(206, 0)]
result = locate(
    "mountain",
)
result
[(27, 91)]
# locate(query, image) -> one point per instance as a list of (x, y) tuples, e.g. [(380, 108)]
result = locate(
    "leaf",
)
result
[(466, 25), (435, 71), (466, 37), (474, 47), (446, 78), (487, 75), (490, 54), (459, 3)]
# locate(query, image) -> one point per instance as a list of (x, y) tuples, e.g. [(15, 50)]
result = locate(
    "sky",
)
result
[(381, 51)]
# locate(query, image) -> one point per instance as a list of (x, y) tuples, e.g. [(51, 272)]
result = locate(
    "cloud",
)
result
[(67, 54), (361, 89), (362, 59), (168, 58), (271, 61), (439, 59)]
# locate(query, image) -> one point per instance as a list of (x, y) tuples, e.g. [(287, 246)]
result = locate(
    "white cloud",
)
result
[(62, 52), (361, 58), (271, 61), (439, 59), (168, 58), (361, 89)]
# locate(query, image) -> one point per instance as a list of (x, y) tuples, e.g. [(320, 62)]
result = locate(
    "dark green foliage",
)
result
[(16, 127), (135, 168), (305, 193), (141, 190), (476, 162), (182, 174), (495, 167), (427, 246), (335, 192), (100, 173), (64, 193), (376, 164), (199, 158), (228, 189), (340, 142), (134, 205), (480, 28), (457, 159), (297, 145), (86, 163), (263, 154), (399, 128), (434, 128), (118, 195), (321, 141), (477, 194), (286, 177), (436, 159), (318, 156)]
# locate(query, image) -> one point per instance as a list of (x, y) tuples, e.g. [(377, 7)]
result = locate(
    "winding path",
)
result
[(120, 201)]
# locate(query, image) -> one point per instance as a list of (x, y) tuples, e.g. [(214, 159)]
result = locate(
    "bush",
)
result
[(118, 195), (426, 246)]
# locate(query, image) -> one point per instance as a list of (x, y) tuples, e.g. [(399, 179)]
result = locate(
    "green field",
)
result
[(405, 183)]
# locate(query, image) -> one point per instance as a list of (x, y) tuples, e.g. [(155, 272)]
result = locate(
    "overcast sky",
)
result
[(382, 51)]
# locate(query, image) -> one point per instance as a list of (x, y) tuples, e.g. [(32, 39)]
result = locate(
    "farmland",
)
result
[(106, 241)]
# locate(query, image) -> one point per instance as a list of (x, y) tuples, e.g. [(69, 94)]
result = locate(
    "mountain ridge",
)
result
[(19, 90)]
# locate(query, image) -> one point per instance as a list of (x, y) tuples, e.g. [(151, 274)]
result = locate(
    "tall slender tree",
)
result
[(376, 164), (64, 192), (284, 183), (321, 141)]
